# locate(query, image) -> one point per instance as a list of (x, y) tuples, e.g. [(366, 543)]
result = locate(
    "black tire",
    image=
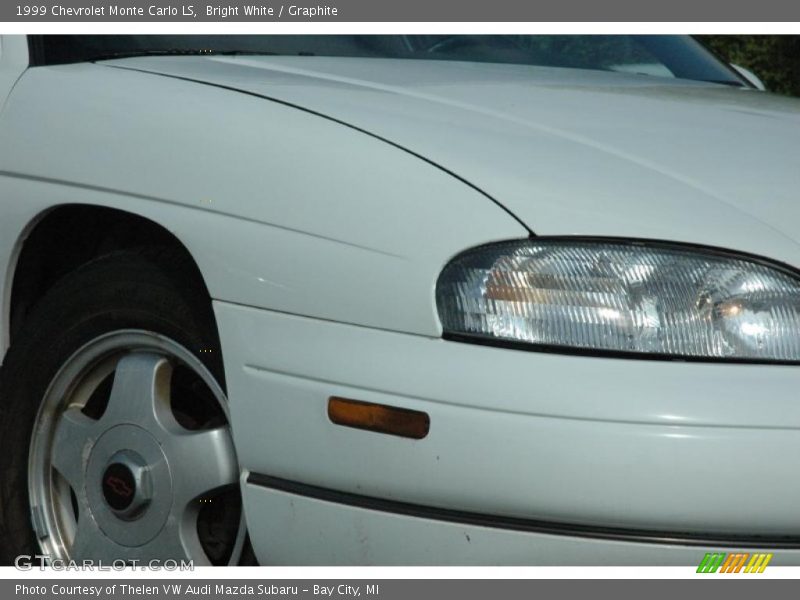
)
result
[(135, 289)]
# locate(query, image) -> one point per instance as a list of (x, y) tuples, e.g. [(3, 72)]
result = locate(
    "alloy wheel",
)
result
[(132, 457)]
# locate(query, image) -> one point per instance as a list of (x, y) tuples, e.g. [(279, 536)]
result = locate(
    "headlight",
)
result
[(611, 297)]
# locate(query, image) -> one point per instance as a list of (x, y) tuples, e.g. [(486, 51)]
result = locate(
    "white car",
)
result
[(396, 300)]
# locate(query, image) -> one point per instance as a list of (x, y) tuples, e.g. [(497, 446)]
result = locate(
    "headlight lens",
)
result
[(623, 297)]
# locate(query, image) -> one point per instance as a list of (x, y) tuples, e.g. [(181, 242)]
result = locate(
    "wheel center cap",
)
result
[(126, 484)]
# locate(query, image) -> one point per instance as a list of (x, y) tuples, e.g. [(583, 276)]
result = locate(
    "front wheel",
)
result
[(113, 410)]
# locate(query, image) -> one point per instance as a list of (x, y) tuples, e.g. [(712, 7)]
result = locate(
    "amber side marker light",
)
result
[(379, 417)]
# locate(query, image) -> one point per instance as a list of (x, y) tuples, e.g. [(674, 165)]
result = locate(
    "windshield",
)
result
[(651, 55)]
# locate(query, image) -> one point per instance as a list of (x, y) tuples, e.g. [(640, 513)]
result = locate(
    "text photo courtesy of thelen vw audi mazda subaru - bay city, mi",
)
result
[(396, 299)]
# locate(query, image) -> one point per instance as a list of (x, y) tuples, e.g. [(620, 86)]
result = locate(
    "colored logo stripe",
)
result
[(711, 563), (758, 563), (734, 562)]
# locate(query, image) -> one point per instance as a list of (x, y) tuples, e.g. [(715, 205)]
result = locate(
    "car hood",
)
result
[(566, 151)]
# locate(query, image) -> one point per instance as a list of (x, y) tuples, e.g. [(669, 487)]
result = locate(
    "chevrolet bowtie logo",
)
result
[(721, 562), (119, 486)]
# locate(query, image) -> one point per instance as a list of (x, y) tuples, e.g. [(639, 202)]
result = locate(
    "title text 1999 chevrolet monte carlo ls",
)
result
[(396, 300)]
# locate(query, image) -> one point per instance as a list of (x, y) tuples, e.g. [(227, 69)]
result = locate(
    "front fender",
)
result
[(281, 209)]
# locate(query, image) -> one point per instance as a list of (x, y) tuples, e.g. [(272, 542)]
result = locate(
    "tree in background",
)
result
[(774, 58)]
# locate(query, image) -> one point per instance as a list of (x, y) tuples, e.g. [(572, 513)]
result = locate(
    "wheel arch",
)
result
[(63, 237)]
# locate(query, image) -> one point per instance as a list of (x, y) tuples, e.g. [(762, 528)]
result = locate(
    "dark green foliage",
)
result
[(774, 58)]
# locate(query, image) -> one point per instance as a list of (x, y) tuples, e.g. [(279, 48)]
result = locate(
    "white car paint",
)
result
[(567, 151), (13, 62), (313, 214), (540, 436), (321, 230)]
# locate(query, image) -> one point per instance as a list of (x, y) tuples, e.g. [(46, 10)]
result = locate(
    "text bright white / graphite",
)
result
[(266, 10)]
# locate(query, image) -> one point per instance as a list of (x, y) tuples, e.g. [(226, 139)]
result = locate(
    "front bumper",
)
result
[(671, 458)]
